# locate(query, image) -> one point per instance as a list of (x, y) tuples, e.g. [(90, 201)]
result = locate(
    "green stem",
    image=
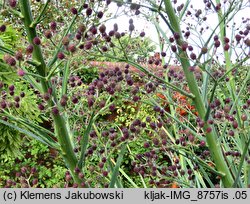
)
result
[(61, 130), (31, 33), (213, 145)]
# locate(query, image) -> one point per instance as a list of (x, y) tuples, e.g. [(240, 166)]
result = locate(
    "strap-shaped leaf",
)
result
[(85, 141), (30, 134), (115, 172)]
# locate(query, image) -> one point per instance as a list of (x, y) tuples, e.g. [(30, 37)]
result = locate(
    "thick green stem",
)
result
[(59, 122), (213, 145)]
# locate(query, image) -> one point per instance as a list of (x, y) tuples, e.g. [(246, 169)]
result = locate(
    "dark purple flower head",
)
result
[(48, 34), (65, 41), (115, 27), (226, 47), (173, 48), (202, 143), (142, 34), (216, 37), (11, 61), (238, 38), (12, 3), (247, 42), (53, 25), (72, 48), (226, 40), (19, 56), (176, 36), (60, 55), (102, 28), (184, 46), (74, 10), (40, 106), (20, 72), (217, 43), (3, 28), (104, 48), (88, 11), (3, 104), (100, 14), (22, 94), (55, 111), (11, 88), (193, 56), (243, 117), (112, 107), (74, 100), (36, 41), (29, 49)]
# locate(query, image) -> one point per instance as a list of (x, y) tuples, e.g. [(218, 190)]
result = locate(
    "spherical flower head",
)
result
[(60, 56), (102, 28), (74, 11), (217, 43), (104, 49), (171, 39), (176, 36), (12, 3), (48, 34), (226, 47), (137, 12), (100, 14), (78, 36), (20, 72), (209, 129), (41, 107), (193, 56), (3, 104), (93, 30), (142, 34), (53, 25), (226, 40), (112, 107), (88, 45), (202, 143), (29, 49), (63, 102), (238, 38), (2, 28), (88, 11), (184, 46), (36, 40), (72, 48), (55, 111), (173, 48), (19, 56), (204, 50), (11, 61), (117, 35), (65, 41), (247, 42), (74, 100)]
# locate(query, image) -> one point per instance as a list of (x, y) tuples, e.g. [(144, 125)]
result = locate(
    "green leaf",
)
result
[(85, 141), (114, 176), (26, 132)]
